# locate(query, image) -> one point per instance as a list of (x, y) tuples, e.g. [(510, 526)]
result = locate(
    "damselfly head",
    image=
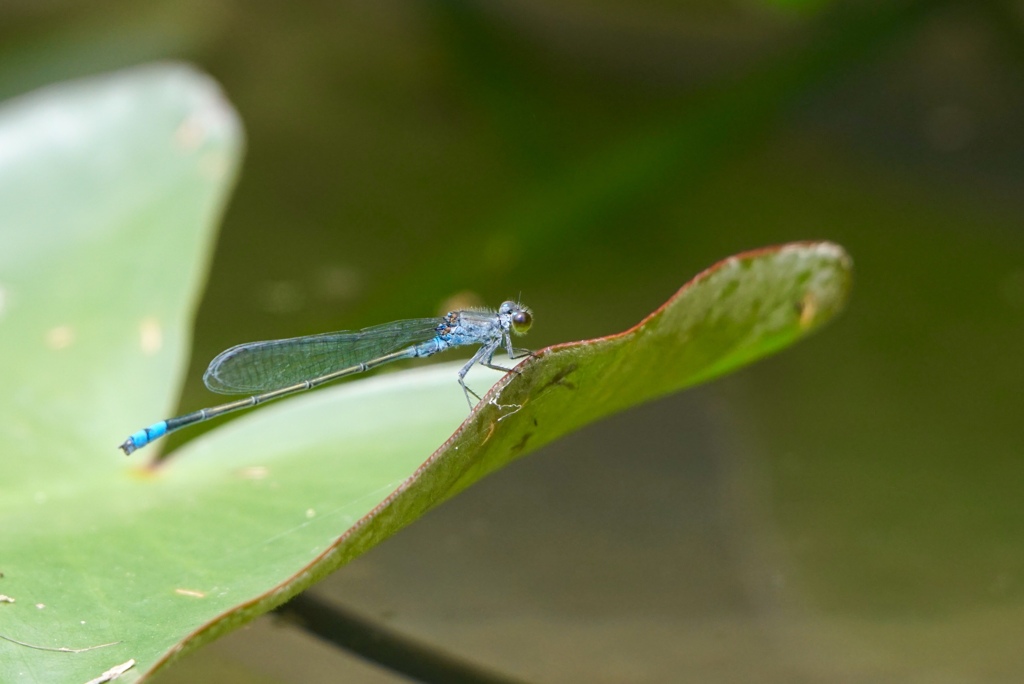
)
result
[(520, 316)]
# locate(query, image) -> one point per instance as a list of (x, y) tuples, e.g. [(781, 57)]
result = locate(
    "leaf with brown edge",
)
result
[(136, 563), (739, 310), (735, 312)]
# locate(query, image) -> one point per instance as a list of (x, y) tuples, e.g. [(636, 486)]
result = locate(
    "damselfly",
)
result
[(277, 368)]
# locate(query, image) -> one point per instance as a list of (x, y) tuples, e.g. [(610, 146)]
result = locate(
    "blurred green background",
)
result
[(847, 511)]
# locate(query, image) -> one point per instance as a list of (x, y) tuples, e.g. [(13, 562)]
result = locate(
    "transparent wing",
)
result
[(265, 366)]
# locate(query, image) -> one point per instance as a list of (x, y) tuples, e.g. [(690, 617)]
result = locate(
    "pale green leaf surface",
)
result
[(110, 189), (105, 236)]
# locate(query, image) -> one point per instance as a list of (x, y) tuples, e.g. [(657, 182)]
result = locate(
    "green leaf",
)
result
[(110, 190), (106, 213)]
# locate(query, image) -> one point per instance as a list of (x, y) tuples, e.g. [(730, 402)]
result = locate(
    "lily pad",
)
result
[(109, 194)]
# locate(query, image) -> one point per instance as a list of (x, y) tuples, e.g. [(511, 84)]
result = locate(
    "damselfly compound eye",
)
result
[(521, 321)]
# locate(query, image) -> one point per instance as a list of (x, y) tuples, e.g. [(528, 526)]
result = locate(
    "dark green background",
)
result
[(848, 511)]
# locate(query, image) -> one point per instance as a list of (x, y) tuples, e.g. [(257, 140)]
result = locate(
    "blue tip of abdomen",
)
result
[(139, 439)]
